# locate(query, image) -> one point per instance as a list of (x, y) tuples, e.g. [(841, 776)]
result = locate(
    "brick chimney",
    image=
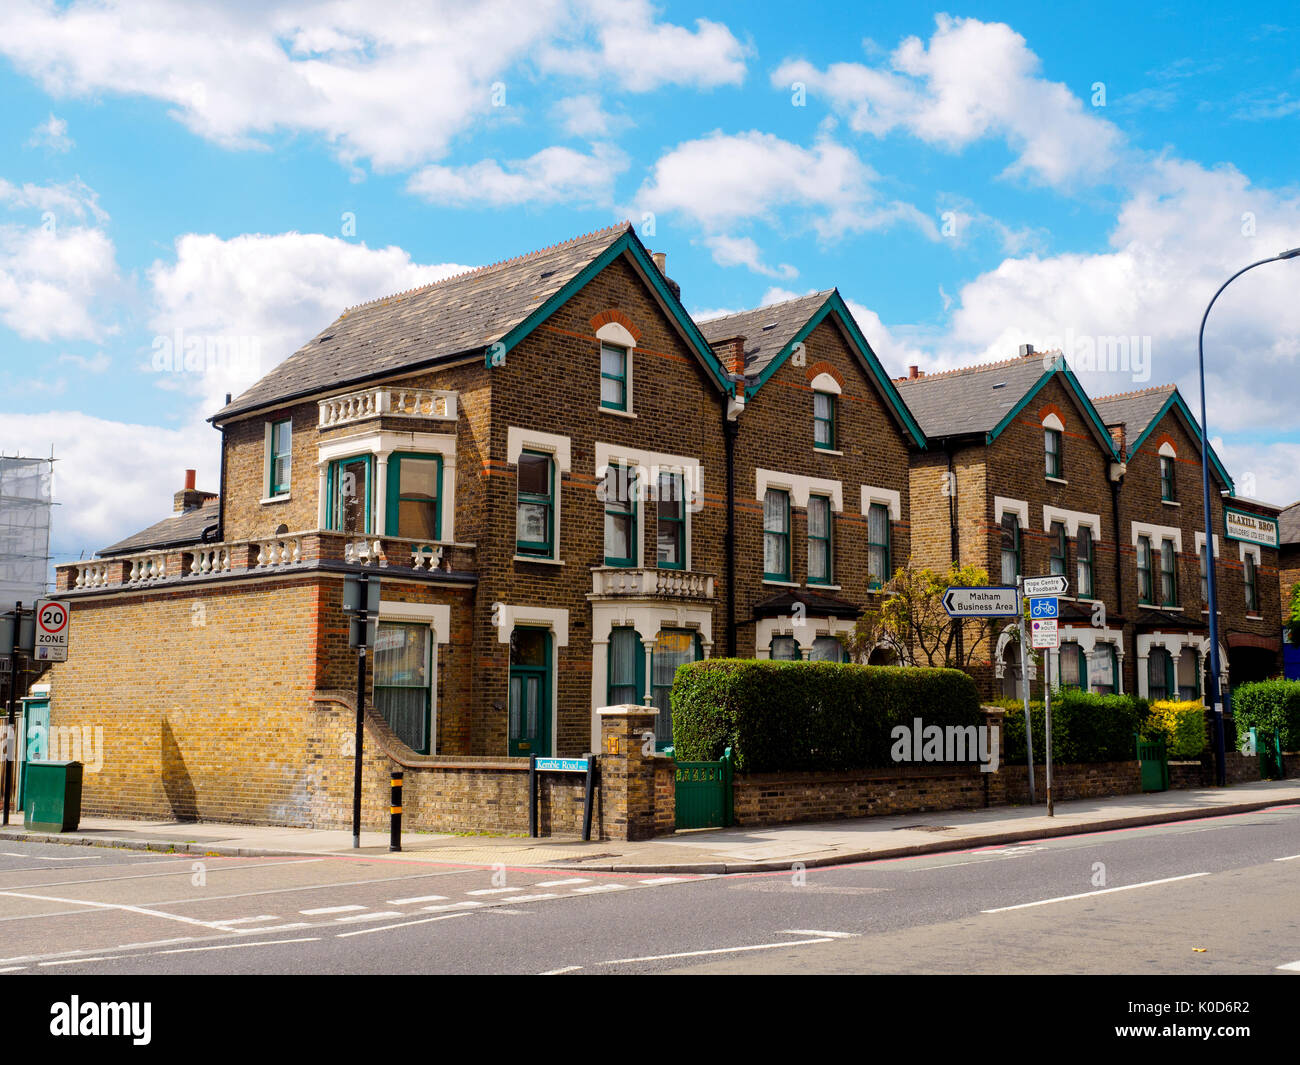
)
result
[(913, 372), (189, 497), (1026, 350), (731, 350)]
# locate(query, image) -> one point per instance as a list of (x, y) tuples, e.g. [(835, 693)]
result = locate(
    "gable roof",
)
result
[(174, 530), (985, 399), (1289, 524), (771, 334), (496, 304), (1143, 410)]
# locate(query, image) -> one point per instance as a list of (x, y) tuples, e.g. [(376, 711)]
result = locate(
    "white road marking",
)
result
[(1288, 858), (50, 857), (719, 950), (557, 972), (379, 915), (1291, 967), (239, 946), (1090, 894), (417, 898), (330, 909), (563, 883), (530, 898), (818, 932), (491, 891), (599, 887), (13, 968), (270, 928), (249, 920), (78, 961), (404, 924), (117, 906), (666, 880), (450, 906)]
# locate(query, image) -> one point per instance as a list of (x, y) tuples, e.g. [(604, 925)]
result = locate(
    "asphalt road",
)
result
[(1214, 896)]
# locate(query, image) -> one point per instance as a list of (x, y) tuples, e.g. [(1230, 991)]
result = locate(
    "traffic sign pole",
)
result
[(1047, 725), (1024, 687)]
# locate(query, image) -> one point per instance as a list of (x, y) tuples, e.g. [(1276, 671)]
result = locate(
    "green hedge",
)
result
[(1269, 704), (778, 716), (1085, 727)]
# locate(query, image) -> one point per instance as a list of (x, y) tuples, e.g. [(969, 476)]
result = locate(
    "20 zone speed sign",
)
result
[(51, 632)]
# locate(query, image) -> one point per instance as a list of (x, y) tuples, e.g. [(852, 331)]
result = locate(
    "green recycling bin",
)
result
[(53, 797)]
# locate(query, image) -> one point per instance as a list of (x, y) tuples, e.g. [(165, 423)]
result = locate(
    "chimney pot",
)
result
[(661, 260), (189, 480), (913, 372)]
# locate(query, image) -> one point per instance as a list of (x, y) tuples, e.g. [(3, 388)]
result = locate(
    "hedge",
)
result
[(779, 716), (1269, 704), (1086, 727), (1180, 724)]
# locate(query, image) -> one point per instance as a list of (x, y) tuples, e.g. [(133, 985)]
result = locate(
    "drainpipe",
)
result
[(730, 430), (954, 540), (221, 487)]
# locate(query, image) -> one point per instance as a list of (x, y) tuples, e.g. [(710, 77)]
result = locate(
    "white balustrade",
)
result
[(652, 583), (211, 560), (91, 575), (279, 552), (147, 568), (372, 402)]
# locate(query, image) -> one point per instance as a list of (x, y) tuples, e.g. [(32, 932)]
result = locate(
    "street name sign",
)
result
[(992, 601), (562, 765), (1053, 585), (1044, 607), (51, 631), (1045, 634)]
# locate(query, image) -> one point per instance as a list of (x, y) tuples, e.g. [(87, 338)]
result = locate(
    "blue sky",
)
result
[(970, 180)]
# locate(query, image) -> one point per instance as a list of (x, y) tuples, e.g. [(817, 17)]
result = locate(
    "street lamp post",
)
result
[(1210, 581)]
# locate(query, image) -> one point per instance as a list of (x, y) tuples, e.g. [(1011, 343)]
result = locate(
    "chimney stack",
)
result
[(913, 372), (731, 350), (1026, 350), (189, 497), (661, 261)]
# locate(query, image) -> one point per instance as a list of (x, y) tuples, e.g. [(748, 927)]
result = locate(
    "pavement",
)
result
[(725, 850)]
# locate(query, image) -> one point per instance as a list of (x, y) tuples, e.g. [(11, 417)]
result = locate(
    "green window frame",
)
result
[(1168, 574), (1146, 587), (407, 502), (1010, 548), (670, 521), (404, 681), (824, 420), (826, 649), (1059, 558), (1113, 686), (783, 649), (1052, 439), (673, 648), (1083, 562), (280, 474), (1072, 664), (879, 530), (531, 504), (337, 470), (620, 510), (1249, 576), (1161, 681), (613, 377), (626, 672), (820, 542), (1167, 478), (776, 535)]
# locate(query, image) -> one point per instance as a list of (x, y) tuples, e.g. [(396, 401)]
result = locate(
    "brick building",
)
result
[(1289, 573)]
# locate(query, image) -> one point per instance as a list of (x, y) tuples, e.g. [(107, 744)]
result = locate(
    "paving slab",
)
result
[(716, 851)]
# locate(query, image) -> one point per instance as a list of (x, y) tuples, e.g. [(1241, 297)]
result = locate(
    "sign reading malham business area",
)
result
[(992, 601), (1250, 528)]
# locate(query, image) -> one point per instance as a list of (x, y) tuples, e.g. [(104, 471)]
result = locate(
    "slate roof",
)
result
[(1289, 524), (971, 400), (1135, 409), (437, 321), (173, 531), (767, 330)]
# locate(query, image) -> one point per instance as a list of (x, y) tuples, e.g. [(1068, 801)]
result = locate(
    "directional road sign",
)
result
[(1053, 585), (993, 601)]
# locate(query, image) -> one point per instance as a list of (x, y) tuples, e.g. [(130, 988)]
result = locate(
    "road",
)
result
[(1214, 896)]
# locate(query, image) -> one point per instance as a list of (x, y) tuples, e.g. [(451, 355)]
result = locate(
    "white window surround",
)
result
[(554, 618), (647, 618), (1018, 507), (558, 447), (824, 382), (1072, 519), (999, 661), (382, 445), (438, 617), (649, 464), (799, 487), (1091, 641), (1052, 421), (1200, 544), (613, 333), (1252, 550), (1157, 534), (886, 497), (804, 634), (1167, 449), (1174, 642), (266, 462)]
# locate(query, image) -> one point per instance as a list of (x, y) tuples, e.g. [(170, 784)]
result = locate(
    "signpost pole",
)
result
[(1047, 725), (364, 617), (1024, 686), (11, 742)]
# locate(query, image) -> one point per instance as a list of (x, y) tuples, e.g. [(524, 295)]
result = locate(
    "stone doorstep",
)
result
[(713, 866)]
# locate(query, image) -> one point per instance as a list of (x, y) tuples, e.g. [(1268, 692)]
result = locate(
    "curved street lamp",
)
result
[(1210, 582)]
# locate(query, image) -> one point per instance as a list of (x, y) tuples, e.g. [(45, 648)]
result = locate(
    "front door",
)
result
[(530, 692)]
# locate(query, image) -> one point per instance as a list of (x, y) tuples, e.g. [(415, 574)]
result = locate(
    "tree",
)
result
[(911, 619)]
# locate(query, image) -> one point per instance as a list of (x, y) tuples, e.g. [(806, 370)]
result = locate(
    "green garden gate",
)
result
[(1268, 744), (704, 793), (1154, 762)]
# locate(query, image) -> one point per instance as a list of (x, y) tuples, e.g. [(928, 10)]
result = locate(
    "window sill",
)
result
[(825, 451), (1171, 502), (617, 413), (817, 587), (539, 560), (781, 584), (1254, 617), (283, 498), (1058, 480)]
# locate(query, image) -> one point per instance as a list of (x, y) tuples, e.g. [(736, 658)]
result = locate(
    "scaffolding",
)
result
[(26, 501)]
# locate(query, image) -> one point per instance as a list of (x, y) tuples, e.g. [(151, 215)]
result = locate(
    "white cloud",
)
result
[(52, 134), (1270, 472), (54, 280), (583, 116), (553, 175), (74, 198), (973, 80), (744, 251), (97, 363), (390, 83)]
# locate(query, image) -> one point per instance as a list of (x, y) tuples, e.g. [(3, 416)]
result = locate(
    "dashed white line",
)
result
[(818, 932), (117, 906), (51, 857), (404, 924), (1091, 894), (12, 968), (450, 906), (380, 915), (239, 946), (330, 909), (719, 950), (599, 887), (558, 972), (491, 891), (1288, 858), (666, 880), (530, 898), (563, 883), (249, 920), (1291, 967), (78, 961), (417, 898)]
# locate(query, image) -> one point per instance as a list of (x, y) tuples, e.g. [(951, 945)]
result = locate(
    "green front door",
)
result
[(530, 692)]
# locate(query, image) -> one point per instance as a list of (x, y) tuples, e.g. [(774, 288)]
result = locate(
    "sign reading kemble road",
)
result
[(1252, 528), (994, 601)]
